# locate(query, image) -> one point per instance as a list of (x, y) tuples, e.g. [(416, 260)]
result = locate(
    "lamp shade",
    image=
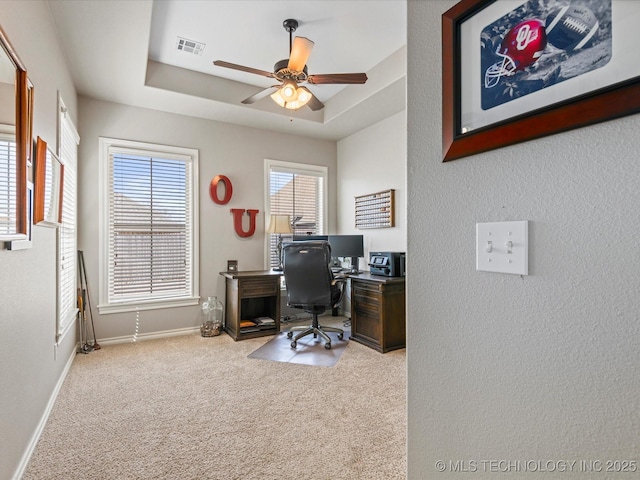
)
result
[(279, 224)]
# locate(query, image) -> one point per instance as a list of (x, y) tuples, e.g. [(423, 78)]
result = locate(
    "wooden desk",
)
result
[(378, 314), (250, 295)]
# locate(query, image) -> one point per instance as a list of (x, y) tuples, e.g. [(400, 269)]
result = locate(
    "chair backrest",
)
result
[(307, 274)]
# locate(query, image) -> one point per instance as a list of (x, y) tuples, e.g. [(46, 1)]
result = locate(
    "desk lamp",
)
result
[(279, 224)]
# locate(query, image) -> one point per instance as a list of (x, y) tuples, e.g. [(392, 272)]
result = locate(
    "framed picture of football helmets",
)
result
[(515, 70)]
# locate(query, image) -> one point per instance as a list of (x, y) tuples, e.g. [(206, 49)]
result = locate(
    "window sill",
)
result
[(147, 305), (65, 327)]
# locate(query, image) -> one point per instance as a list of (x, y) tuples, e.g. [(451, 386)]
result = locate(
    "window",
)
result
[(149, 217), (7, 179), (67, 239), (297, 190)]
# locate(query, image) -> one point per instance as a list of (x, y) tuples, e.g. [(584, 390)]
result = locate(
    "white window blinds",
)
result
[(299, 191), (152, 227), (7, 181), (67, 237)]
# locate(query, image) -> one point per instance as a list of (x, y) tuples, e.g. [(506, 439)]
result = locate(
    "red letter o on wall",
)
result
[(213, 189)]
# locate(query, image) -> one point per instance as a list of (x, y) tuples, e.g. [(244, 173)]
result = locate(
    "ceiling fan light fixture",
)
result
[(304, 95), (291, 97), (278, 98), (295, 105), (289, 91)]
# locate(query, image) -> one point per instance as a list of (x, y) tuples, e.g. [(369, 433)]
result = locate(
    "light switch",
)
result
[(503, 247)]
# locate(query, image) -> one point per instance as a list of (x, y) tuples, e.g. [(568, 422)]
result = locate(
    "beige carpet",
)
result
[(197, 408)]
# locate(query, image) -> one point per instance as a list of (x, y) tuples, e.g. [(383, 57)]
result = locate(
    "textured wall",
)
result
[(543, 367), (30, 361), (369, 161)]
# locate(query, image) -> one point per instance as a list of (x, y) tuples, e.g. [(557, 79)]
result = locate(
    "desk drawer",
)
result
[(256, 287), (366, 287), (367, 325), (366, 303)]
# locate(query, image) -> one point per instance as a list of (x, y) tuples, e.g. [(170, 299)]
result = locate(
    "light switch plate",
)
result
[(503, 247)]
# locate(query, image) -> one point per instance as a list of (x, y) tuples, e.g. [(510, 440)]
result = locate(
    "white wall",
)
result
[(231, 150), (370, 161), (7, 100), (502, 367), (30, 362)]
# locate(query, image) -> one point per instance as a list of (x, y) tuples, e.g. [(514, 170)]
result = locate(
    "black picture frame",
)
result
[(615, 100)]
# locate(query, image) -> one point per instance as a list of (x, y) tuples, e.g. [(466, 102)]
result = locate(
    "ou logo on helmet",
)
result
[(525, 36), (520, 48)]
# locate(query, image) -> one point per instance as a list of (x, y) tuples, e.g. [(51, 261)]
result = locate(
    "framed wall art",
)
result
[(375, 210), (16, 112), (518, 70), (48, 184)]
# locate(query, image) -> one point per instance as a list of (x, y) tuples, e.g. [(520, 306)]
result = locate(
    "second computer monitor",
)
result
[(351, 246)]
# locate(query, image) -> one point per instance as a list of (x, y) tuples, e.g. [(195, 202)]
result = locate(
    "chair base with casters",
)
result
[(315, 329)]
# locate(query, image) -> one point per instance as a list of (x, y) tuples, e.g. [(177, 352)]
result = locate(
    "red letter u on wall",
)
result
[(237, 221)]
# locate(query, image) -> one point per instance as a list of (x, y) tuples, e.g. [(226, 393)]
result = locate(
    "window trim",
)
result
[(292, 167), (150, 149), (64, 325)]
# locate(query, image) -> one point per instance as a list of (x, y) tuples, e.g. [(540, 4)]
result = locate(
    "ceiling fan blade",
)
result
[(314, 104), (300, 52), (337, 78), (242, 68), (261, 94)]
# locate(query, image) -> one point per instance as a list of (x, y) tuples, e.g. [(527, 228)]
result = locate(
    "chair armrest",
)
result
[(339, 284)]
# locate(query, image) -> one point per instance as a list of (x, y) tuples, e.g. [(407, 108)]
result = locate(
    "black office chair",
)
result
[(311, 286)]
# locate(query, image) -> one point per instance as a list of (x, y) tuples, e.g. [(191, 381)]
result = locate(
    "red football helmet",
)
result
[(521, 47)]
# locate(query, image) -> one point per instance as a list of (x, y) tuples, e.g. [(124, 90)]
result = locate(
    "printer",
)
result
[(388, 264)]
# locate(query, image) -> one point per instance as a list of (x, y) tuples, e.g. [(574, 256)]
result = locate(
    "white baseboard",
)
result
[(148, 336), (26, 456)]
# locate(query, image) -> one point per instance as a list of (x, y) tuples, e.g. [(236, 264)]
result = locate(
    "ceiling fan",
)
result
[(291, 72)]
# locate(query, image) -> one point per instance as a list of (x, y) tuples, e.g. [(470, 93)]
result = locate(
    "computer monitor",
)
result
[(307, 238), (351, 246)]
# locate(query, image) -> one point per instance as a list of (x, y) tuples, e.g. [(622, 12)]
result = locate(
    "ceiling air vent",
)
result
[(190, 46)]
